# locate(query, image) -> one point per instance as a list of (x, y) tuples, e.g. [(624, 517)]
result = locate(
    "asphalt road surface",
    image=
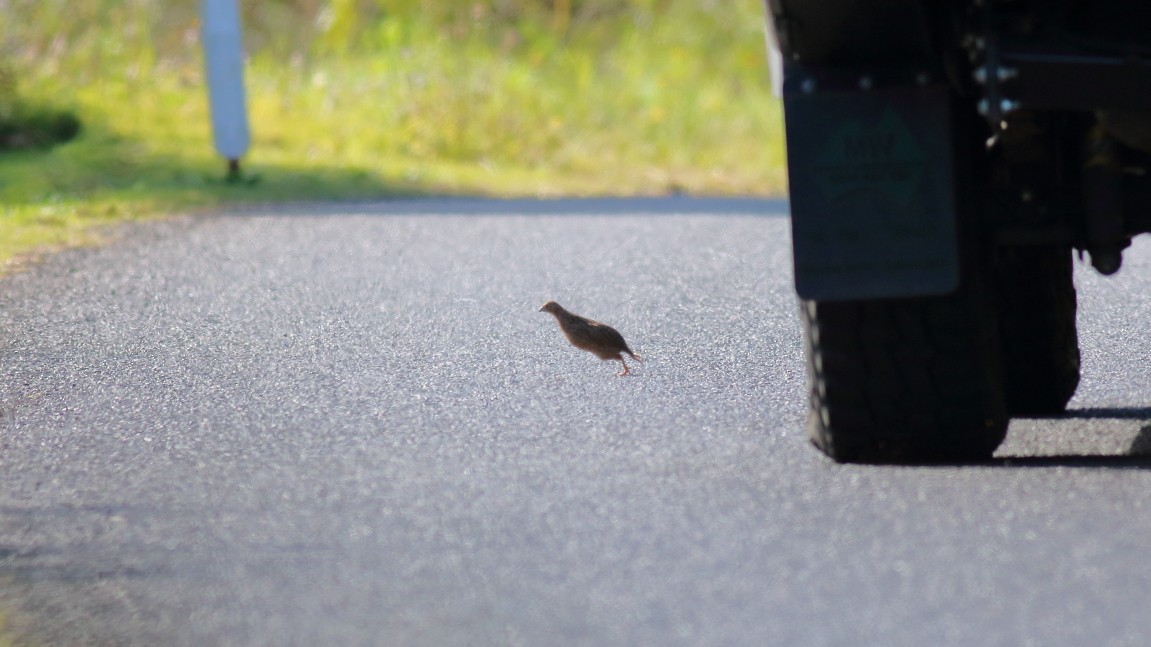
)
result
[(349, 425)]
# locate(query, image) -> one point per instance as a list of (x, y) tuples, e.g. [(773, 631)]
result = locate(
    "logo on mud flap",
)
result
[(877, 163)]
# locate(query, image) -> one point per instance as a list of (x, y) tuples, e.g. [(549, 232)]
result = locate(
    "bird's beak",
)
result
[(541, 309)]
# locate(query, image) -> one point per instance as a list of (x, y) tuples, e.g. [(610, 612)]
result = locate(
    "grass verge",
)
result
[(368, 99)]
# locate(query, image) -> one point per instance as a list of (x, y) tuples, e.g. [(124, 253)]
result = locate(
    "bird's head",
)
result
[(551, 306)]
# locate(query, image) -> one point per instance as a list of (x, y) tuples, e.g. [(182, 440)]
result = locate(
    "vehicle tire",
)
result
[(1036, 295), (905, 380)]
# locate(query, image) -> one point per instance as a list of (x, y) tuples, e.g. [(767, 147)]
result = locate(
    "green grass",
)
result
[(352, 99)]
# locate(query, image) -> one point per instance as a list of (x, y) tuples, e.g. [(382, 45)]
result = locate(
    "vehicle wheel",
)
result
[(1037, 304), (905, 380)]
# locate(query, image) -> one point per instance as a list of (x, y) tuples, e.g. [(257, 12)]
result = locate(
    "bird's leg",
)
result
[(626, 370)]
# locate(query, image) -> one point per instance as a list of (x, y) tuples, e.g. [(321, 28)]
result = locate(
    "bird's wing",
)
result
[(606, 335), (576, 327)]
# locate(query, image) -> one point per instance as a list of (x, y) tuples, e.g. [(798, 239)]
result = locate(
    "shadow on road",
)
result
[(479, 206), (1137, 455), (1109, 413)]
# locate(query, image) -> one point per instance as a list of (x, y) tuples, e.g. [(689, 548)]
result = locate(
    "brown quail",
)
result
[(597, 338)]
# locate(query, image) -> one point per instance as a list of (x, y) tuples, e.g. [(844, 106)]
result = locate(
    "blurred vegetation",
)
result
[(28, 126), (368, 98)]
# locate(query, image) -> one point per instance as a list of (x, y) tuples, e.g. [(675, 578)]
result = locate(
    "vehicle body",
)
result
[(946, 158)]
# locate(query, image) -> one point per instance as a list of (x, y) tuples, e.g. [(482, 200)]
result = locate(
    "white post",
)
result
[(224, 67)]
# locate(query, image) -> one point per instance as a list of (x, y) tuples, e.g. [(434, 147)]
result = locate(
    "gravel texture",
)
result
[(349, 425)]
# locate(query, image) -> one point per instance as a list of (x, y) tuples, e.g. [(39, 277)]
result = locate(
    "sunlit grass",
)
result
[(644, 97)]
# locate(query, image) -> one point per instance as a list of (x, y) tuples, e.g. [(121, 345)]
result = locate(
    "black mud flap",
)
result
[(872, 181)]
